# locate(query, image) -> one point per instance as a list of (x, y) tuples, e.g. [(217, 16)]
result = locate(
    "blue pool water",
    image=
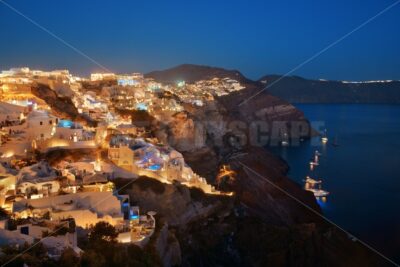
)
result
[(65, 124), (141, 106), (154, 167), (362, 173)]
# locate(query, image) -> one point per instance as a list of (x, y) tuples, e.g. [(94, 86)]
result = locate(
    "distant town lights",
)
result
[(127, 82)]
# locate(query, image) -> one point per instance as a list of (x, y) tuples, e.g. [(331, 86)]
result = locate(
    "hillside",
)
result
[(264, 227), (263, 108), (192, 73), (295, 89)]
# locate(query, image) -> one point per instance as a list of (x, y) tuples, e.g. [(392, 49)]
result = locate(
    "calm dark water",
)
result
[(362, 174)]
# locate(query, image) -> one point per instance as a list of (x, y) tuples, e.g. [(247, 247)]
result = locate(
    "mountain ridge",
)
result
[(293, 89), (193, 72)]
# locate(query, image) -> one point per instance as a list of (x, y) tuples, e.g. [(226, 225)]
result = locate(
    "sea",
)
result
[(359, 166)]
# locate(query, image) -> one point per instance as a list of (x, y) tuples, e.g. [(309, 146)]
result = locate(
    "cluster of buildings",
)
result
[(156, 160), (205, 90), (51, 202), (24, 131), (26, 75)]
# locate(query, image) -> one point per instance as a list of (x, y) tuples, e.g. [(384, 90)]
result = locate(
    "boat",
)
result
[(285, 140), (312, 181), (316, 159), (316, 156), (324, 138), (313, 163), (318, 192)]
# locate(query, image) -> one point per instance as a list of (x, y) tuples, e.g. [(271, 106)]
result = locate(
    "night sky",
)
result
[(255, 37)]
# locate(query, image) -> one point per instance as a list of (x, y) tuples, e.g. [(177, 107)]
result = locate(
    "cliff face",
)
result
[(185, 133), (299, 90), (61, 106), (167, 247), (230, 112), (214, 122), (196, 229), (262, 225), (253, 105), (176, 204), (259, 177)]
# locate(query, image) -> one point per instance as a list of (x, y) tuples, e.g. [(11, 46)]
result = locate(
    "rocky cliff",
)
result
[(61, 106), (167, 247), (186, 133), (195, 229), (176, 204), (231, 112), (270, 220)]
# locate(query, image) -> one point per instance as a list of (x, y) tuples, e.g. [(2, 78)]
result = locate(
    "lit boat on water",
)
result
[(285, 140), (324, 138), (313, 163), (312, 181), (316, 159), (318, 192)]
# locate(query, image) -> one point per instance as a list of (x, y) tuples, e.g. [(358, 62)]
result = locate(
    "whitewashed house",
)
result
[(40, 125)]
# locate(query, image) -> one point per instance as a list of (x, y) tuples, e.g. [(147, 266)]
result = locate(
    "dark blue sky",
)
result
[(255, 37)]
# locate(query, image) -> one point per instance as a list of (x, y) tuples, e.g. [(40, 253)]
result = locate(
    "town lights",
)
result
[(180, 83), (8, 154)]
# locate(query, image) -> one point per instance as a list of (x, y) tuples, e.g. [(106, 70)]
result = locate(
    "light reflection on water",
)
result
[(323, 202)]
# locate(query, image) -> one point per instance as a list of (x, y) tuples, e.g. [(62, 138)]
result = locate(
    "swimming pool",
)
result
[(154, 167), (65, 124)]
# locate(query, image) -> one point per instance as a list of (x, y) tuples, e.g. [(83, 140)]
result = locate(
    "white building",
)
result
[(156, 161), (87, 208), (102, 76), (11, 113), (37, 181), (56, 236), (69, 130), (40, 125)]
